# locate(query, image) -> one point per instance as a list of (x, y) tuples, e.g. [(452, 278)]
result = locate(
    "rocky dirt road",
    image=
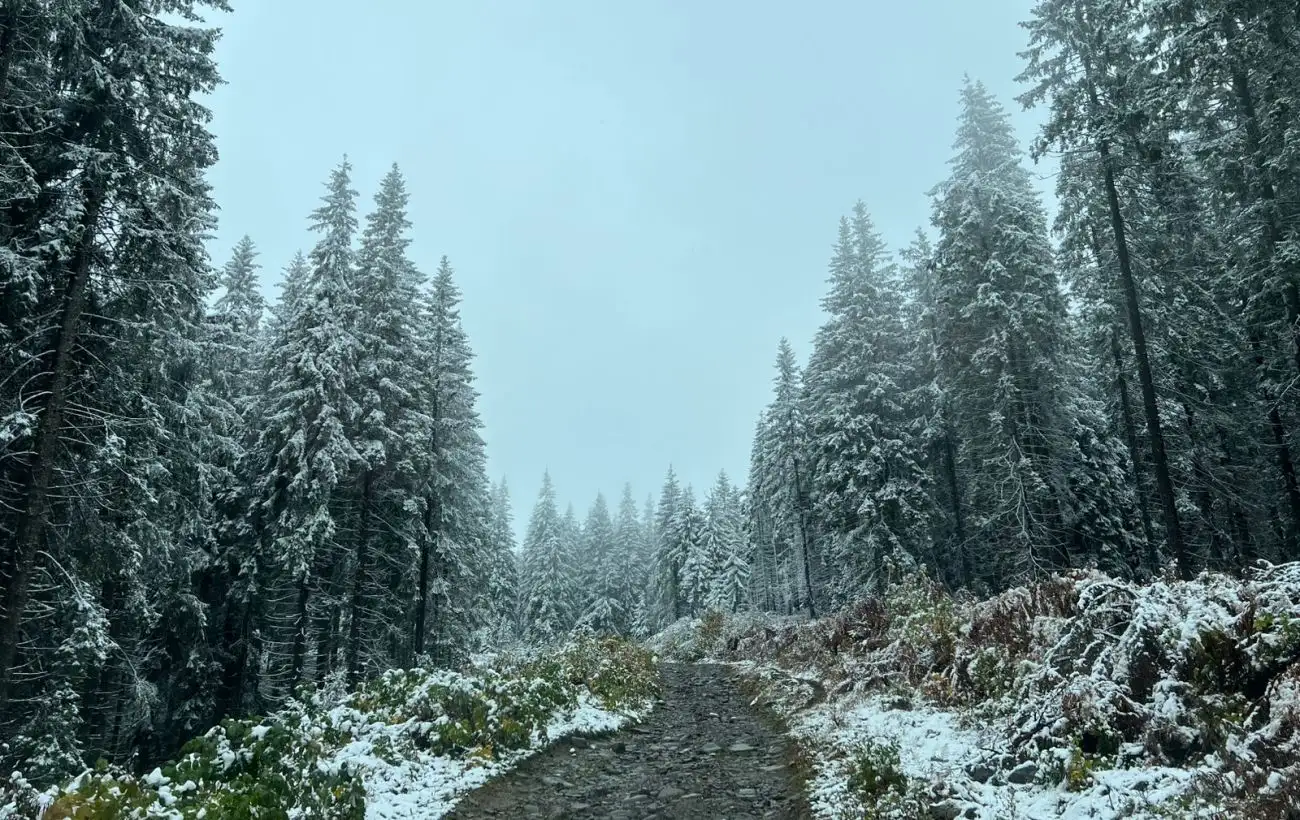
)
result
[(703, 754)]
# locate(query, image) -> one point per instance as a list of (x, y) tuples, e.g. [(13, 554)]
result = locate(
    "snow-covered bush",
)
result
[(1077, 674), (315, 757)]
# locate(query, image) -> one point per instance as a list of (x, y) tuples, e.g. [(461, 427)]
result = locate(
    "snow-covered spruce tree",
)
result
[(455, 552), (779, 487), (503, 574), (1043, 478), (724, 542), (630, 559), (687, 532), (1226, 164), (305, 455), (239, 584), (547, 583), (97, 234), (385, 486), (951, 553), (664, 597), (602, 606), (1079, 58), (869, 483)]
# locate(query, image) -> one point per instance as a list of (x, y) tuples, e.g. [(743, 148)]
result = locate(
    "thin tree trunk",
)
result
[(357, 604), (32, 524), (958, 516), (1134, 455), (8, 34), (803, 537), (1291, 532), (298, 658), (1159, 458)]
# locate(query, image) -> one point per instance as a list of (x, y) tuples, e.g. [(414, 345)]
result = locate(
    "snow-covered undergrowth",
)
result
[(1080, 696), (405, 745)]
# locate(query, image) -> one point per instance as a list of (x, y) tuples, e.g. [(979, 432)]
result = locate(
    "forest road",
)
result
[(703, 754)]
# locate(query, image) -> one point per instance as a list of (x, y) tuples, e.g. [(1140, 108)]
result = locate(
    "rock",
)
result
[(618, 746), (670, 793), (1024, 773), (579, 742), (710, 748), (747, 793), (740, 747), (775, 767), (980, 772), (946, 810)]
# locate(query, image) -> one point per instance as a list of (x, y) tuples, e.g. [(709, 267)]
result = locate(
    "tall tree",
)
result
[(305, 452), (1001, 354), (870, 484), (780, 479), (1077, 58)]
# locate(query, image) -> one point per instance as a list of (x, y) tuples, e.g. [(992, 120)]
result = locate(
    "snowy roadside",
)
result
[(1081, 696), (940, 750), (423, 785), (407, 744)]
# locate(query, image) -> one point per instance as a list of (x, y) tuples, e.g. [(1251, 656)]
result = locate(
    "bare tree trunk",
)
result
[(1159, 458), (1134, 455), (30, 532), (805, 541), (298, 659), (357, 604)]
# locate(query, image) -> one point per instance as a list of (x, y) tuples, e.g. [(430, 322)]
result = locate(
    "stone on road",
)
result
[(703, 754)]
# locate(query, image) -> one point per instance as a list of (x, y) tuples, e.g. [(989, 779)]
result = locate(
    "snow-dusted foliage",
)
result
[(1077, 696), (408, 743)]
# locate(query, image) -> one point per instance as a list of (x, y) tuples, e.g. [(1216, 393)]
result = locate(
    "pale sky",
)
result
[(639, 199)]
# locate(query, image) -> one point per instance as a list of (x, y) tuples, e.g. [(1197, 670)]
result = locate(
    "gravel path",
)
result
[(703, 754)]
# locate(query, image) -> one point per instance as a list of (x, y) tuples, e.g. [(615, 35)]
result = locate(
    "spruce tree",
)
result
[(305, 453), (870, 485)]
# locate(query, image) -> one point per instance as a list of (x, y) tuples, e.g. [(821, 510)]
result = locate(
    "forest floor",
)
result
[(704, 752)]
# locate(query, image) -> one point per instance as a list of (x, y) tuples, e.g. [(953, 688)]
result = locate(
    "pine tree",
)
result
[(305, 453), (630, 558), (105, 211), (780, 486), (503, 575), (547, 585), (665, 577), (602, 607), (724, 542), (870, 485), (1077, 53), (689, 549), (450, 466)]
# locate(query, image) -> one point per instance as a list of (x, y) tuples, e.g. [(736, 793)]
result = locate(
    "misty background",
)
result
[(639, 199)]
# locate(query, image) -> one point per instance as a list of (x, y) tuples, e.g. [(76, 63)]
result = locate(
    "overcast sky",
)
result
[(639, 198)]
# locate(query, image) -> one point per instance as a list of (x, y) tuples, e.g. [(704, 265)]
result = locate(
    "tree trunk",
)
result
[(1159, 458), (804, 539), (8, 36), (422, 582), (298, 658), (954, 494), (32, 523), (1291, 531), (357, 604), (1134, 455)]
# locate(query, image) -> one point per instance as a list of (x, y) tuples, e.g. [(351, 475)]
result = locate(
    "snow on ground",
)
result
[(936, 748), (428, 786)]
